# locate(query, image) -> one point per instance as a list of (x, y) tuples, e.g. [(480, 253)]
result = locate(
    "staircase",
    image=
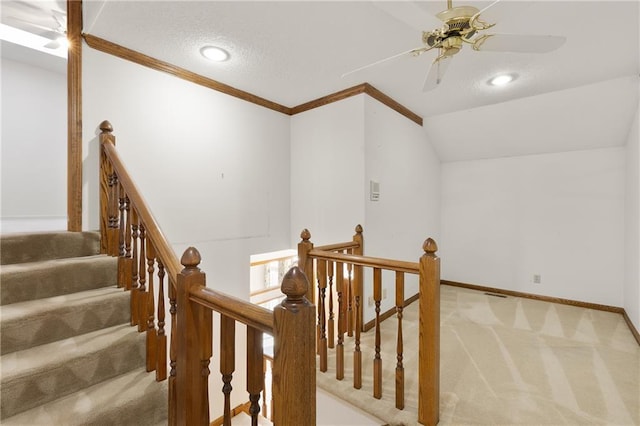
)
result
[(68, 353)]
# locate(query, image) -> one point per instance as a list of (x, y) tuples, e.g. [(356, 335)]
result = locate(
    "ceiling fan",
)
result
[(465, 25)]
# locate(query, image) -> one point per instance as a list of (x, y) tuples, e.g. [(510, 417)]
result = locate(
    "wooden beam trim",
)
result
[(325, 100), (74, 116), (388, 101), (158, 65)]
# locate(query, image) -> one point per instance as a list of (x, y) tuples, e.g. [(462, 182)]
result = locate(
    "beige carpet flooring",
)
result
[(508, 361)]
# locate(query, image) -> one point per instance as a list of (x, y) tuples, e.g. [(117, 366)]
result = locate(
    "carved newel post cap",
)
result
[(358, 229), (305, 235), (191, 258), (106, 127), (430, 246), (294, 284)]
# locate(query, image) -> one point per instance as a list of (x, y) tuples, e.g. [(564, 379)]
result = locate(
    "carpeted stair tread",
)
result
[(33, 247), (132, 399), (35, 280), (36, 322), (41, 374)]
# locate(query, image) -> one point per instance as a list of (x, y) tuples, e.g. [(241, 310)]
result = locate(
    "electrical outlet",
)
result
[(370, 300), (537, 279), (384, 293)]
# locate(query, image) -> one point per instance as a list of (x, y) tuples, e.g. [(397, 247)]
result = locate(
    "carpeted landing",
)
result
[(507, 361), (69, 356)]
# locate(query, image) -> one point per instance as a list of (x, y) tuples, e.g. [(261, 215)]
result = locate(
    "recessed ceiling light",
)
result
[(502, 79), (214, 53)]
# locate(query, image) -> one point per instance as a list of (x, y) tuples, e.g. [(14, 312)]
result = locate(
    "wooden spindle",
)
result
[(331, 320), (429, 332), (340, 284), (126, 263), (227, 362), (350, 299), (173, 353), (150, 308), (121, 236), (255, 363), (112, 235), (322, 318), (294, 386), (142, 280), (399, 344), (161, 338), (193, 346), (377, 360), (135, 233)]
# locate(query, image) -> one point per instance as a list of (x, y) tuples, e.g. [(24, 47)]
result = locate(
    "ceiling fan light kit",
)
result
[(464, 24)]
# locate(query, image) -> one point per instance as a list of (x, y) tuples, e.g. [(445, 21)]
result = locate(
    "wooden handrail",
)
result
[(372, 262), (240, 310), (153, 230), (130, 232), (339, 246)]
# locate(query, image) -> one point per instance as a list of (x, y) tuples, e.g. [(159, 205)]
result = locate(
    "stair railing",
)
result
[(130, 232), (339, 269)]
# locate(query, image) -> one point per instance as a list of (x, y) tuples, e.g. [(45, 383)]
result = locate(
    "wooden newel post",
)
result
[(429, 343), (294, 367), (193, 346), (306, 263), (106, 183)]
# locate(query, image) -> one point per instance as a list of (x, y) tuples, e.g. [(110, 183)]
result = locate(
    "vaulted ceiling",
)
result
[(581, 96)]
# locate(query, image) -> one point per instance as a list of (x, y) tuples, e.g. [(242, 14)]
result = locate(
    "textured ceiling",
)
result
[(291, 52)]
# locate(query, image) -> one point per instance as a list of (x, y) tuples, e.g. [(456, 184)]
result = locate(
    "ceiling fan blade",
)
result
[(417, 51), (410, 13), (518, 43), (436, 73)]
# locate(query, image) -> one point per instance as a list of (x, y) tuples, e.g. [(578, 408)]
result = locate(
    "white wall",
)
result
[(214, 169), (335, 151), (632, 225), (557, 215), (34, 145), (327, 171), (401, 159)]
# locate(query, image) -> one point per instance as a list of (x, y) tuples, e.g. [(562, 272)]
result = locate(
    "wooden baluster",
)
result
[(161, 338), (264, 386), (400, 343), (134, 267), (331, 322), (377, 360), (429, 332), (173, 396), (322, 318), (305, 262), (142, 279), (114, 226), (126, 262), (122, 272), (150, 308), (350, 298), (294, 389), (357, 292), (340, 284), (227, 362), (255, 362), (193, 346)]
